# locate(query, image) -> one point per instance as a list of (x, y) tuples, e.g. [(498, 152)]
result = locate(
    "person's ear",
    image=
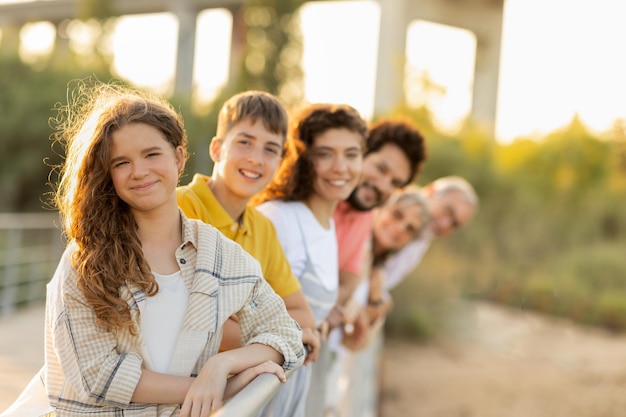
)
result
[(215, 148), (180, 159)]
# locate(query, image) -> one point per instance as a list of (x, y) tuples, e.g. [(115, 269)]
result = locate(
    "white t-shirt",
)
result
[(401, 263), (397, 267), (162, 319), (321, 243)]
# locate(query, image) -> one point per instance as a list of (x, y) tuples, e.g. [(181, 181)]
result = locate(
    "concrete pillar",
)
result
[(61, 51), (10, 40), (487, 72), (183, 83), (238, 44), (483, 18), (389, 90)]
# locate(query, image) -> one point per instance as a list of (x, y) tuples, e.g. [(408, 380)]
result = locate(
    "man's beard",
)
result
[(354, 202)]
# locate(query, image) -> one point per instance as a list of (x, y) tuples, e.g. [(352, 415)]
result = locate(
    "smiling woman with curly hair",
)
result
[(135, 310)]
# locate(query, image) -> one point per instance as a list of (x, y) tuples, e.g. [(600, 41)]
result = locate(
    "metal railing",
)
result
[(356, 388), (249, 401), (30, 248)]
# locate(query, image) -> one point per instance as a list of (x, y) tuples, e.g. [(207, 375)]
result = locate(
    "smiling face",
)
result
[(397, 224), (145, 167), (449, 211), (384, 171), (246, 160), (337, 157)]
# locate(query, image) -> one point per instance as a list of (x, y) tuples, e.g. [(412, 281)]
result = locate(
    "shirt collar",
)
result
[(189, 237), (220, 219), (343, 207)]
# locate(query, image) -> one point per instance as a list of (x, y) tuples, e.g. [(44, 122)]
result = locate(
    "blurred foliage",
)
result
[(94, 9), (550, 232), (270, 56), (273, 49), (551, 228), (270, 62), (26, 104)]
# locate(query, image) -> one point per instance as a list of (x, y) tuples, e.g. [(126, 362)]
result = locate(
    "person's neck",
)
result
[(322, 209), (233, 205), (160, 235), (159, 227), (377, 250)]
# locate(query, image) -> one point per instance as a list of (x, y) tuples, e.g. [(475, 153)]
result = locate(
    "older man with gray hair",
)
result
[(452, 203)]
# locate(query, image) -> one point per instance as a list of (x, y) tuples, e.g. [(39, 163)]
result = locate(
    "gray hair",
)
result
[(412, 195), (445, 185)]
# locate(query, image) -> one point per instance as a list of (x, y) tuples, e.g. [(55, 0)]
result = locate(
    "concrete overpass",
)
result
[(482, 17)]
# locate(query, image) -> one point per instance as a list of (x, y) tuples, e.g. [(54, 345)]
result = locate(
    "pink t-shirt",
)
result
[(354, 230)]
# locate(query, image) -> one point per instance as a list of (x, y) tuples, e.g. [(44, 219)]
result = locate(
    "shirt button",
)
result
[(233, 228), (183, 261)]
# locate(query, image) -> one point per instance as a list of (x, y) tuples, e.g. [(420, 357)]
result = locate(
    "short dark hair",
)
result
[(405, 135), (254, 105)]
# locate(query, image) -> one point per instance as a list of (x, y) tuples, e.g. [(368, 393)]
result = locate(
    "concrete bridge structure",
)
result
[(482, 17)]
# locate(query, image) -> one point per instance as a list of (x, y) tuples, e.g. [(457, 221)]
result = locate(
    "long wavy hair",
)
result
[(108, 251), (296, 174)]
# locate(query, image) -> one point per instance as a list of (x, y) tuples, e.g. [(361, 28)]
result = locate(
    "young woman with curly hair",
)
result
[(322, 166), (135, 310)]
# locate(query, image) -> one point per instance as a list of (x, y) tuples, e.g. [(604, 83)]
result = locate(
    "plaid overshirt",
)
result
[(90, 370)]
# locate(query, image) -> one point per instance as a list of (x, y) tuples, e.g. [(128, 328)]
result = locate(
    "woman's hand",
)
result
[(212, 385), (311, 338), (237, 382), (336, 317), (375, 312), (207, 390)]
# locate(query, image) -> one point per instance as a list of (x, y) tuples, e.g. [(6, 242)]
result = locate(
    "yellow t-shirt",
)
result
[(256, 234)]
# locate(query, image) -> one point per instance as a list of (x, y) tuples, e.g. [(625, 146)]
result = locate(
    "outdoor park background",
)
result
[(551, 230)]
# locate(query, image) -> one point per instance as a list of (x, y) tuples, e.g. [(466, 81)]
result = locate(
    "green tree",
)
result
[(273, 49), (26, 104)]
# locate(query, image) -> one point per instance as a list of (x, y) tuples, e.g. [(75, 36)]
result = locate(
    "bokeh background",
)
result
[(550, 170)]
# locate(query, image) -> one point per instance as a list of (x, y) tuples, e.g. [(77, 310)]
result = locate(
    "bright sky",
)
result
[(559, 57)]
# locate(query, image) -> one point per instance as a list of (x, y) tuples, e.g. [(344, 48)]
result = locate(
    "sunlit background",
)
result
[(559, 58), (550, 233)]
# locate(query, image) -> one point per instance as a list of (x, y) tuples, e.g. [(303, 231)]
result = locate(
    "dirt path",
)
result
[(21, 351), (507, 363)]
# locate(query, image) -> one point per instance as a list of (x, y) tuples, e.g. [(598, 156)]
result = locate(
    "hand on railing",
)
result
[(237, 382), (311, 338), (335, 317)]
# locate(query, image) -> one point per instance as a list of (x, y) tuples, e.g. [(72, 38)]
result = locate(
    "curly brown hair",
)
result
[(108, 251), (294, 178), (402, 133)]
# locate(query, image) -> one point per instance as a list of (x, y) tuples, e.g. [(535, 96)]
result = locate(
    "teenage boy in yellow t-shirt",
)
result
[(246, 151)]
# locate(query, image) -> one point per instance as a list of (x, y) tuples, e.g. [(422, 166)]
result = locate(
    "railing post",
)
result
[(30, 247), (13, 246)]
